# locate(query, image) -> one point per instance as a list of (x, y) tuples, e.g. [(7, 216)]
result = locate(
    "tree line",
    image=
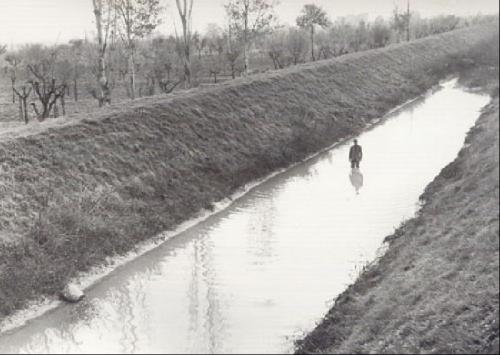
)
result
[(129, 58)]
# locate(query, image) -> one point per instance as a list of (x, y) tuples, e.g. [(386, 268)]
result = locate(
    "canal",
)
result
[(258, 274)]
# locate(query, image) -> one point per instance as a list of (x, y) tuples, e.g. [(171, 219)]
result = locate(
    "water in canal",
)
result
[(256, 275)]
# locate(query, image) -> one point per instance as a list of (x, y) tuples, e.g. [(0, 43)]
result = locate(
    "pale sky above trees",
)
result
[(57, 21)]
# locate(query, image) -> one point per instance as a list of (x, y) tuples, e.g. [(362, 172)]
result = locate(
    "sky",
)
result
[(57, 21)]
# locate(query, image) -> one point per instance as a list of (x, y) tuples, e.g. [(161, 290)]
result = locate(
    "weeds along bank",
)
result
[(74, 194)]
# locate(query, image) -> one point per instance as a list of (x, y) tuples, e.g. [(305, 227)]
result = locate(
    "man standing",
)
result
[(355, 155)]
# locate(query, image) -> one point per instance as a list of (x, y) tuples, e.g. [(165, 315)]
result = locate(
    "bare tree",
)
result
[(232, 51), (185, 9), (276, 49), (401, 21), (156, 65), (214, 38), (135, 20), (296, 45), (324, 45), (218, 47), (45, 77), (76, 57), (380, 33), (232, 56), (23, 95), (46, 88), (408, 21), (312, 15), (200, 43), (214, 59), (214, 65), (250, 19), (361, 37), (13, 60)]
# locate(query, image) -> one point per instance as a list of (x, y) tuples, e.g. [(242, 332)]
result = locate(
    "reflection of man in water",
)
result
[(355, 155), (356, 179)]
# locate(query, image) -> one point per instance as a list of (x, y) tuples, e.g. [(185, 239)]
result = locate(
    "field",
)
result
[(74, 191), (86, 104)]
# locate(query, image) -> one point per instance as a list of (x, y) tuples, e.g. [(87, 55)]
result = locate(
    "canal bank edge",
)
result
[(95, 188), (436, 289)]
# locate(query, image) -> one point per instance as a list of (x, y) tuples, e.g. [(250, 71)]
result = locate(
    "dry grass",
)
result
[(75, 191), (436, 289)]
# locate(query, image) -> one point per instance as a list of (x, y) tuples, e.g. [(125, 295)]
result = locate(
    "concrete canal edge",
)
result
[(75, 194)]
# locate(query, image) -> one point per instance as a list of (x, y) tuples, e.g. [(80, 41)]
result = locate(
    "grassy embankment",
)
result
[(90, 188), (436, 289)]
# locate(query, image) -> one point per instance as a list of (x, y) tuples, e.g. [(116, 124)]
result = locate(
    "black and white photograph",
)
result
[(249, 177)]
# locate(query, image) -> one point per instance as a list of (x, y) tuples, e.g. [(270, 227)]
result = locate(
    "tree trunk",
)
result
[(187, 59), (312, 43), (13, 84), (246, 60), (131, 70), (408, 22), (153, 87), (21, 113), (245, 44), (63, 105), (75, 89), (185, 12), (25, 108), (104, 96), (187, 62)]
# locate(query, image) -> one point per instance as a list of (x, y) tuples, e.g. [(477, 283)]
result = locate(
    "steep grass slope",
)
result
[(77, 192), (436, 289)]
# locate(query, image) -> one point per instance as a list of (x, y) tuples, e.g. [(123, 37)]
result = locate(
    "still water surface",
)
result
[(256, 275)]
